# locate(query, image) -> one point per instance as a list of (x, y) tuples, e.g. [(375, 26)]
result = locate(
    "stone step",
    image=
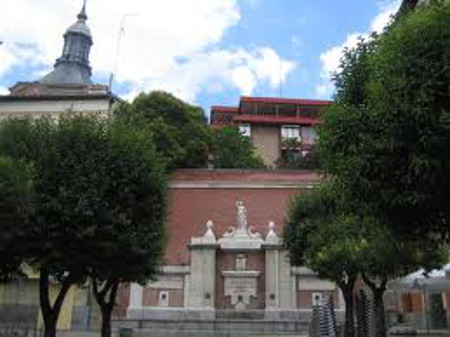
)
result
[(156, 333), (218, 328)]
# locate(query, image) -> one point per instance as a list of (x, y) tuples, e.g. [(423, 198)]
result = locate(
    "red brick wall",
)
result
[(190, 209), (412, 302), (256, 261), (122, 300)]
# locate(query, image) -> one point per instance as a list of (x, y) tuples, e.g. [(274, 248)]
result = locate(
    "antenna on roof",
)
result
[(117, 54), (280, 79)]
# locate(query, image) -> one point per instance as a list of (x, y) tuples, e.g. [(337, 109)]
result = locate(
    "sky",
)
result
[(206, 52)]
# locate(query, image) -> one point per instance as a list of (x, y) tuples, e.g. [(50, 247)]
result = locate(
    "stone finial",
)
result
[(272, 237), (82, 15), (209, 224), (208, 238), (209, 229)]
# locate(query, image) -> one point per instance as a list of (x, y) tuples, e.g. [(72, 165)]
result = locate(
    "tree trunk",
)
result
[(349, 312), (109, 291), (50, 313), (106, 320), (50, 326), (347, 292), (380, 314)]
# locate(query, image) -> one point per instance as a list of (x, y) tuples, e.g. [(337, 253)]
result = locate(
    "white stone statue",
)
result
[(241, 217), (241, 236)]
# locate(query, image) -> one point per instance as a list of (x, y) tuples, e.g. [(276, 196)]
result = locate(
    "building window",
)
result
[(245, 129), (309, 135), (290, 132)]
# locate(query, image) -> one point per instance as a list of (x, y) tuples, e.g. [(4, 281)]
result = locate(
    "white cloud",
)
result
[(218, 69), (330, 59), (387, 10), (4, 91), (170, 44)]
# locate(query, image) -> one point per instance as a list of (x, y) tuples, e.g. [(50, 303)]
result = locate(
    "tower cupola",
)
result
[(73, 65)]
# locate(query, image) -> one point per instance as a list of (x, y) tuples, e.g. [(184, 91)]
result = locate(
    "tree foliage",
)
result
[(387, 141), (341, 240), (182, 136), (98, 206), (16, 193), (320, 235), (231, 149), (385, 144), (178, 129)]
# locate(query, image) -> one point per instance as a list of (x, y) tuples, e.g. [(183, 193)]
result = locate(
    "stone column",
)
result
[(203, 270), (136, 296), (284, 281), (294, 291), (135, 309), (272, 278), (274, 270), (203, 274)]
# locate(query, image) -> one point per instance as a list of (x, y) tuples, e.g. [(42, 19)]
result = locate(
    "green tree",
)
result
[(231, 149), (319, 235), (178, 129), (355, 71), (127, 229), (384, 257), (99, 206), (410, 97), (182, 136), (389, 146), (49, 246), (385, 143), (16, 190), (342, 241)]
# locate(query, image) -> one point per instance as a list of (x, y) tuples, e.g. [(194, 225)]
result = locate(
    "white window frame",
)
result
[(291, 131)]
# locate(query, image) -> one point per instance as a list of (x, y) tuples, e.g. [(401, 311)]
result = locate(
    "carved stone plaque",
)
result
[(241, 287)]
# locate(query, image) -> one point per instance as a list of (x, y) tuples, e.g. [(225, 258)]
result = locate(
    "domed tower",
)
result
[(68, 88), (73, 65)]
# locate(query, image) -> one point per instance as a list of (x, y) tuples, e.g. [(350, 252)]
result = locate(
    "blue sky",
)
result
[(207, 52)]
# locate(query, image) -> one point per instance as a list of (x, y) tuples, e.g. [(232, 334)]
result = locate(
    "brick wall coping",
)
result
[(239, 175)]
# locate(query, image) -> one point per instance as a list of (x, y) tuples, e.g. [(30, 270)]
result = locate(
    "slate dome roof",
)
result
[(79, 27), (73, 65)]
